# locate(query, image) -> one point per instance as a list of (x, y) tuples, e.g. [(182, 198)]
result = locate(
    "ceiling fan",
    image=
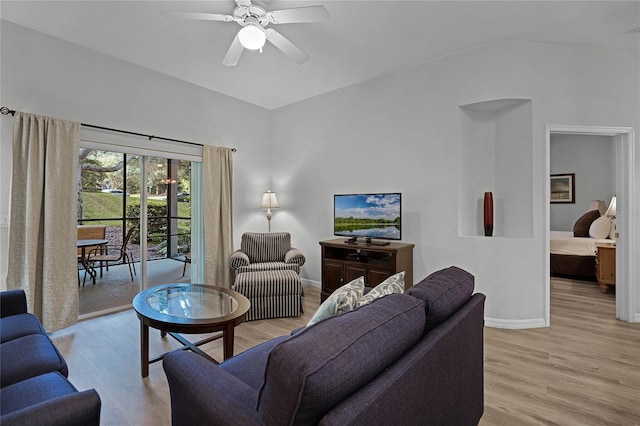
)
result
[(254, 17)]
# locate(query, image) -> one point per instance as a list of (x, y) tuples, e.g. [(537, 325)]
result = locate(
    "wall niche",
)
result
[(496, 154)]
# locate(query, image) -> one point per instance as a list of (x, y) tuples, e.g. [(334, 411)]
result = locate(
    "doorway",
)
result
[(627, 276)]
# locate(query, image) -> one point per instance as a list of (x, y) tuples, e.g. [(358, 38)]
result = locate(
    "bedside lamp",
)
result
[(611, 214), (598, 205), (269, 201)]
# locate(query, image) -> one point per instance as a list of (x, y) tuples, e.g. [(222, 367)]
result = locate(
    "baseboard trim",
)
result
[(310, 282), (103, 312), (515, 324)]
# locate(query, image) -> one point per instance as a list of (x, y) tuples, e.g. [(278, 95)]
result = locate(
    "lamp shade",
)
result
[(269, 201), (252, 37), (611, 211), (598, 205)]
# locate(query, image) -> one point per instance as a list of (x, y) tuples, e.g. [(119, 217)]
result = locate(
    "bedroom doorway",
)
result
[(627, 275)]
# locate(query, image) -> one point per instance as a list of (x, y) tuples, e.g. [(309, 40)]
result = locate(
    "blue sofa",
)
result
[(405, 359), (34, 389)]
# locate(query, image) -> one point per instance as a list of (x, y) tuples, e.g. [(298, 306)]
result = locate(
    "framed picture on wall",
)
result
[(563, 188)]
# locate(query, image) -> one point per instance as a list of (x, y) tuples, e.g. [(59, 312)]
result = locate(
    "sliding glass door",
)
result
[(168, 219), (150, 195)]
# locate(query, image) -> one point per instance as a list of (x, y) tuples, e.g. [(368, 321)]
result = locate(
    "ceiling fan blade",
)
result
[(299, 15), (288, 48), (233, 54), (198, 15)]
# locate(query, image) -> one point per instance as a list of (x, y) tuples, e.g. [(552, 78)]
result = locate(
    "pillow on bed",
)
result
[(582, 225), (600, 228)]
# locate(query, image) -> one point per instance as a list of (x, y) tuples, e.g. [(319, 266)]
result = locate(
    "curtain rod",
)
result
[(7, 111)]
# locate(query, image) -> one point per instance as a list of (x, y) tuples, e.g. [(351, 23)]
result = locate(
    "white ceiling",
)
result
[(362, 40)]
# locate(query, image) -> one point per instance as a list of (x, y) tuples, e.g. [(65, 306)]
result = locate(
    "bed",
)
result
[(573, 256)]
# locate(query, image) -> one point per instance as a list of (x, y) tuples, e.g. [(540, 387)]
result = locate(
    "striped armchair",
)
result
[(266, 252)]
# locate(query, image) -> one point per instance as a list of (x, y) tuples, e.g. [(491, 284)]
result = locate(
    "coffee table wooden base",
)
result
[(179, 308), (227, 334)]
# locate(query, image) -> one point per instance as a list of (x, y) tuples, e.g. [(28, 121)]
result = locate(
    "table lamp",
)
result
[(598, 205), (269, 201)]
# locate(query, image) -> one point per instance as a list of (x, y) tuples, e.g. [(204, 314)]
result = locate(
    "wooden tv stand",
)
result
[(343, 262)]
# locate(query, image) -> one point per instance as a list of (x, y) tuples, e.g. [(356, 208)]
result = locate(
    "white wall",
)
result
[(495, 155), (401, 132), (591, 158), (397, 133), (48, 76)]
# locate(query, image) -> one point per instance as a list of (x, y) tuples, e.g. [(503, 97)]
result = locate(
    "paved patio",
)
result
[(115, 290)]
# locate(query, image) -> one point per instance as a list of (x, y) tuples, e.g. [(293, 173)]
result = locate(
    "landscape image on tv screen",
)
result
[(367, 215)]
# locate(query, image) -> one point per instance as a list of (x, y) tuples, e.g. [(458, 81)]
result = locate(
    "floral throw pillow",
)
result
[(344, 299), (393, 284)]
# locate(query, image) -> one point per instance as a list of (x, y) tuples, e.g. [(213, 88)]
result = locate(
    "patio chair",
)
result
[(89, 232), (187, 259), (113, 253)]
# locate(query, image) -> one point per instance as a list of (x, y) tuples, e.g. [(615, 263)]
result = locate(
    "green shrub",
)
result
[(156, 221)]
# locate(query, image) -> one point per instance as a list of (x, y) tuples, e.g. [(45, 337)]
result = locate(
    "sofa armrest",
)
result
[(76, 409), (238, 259), (13, 302), (203, 393), (294, 256)]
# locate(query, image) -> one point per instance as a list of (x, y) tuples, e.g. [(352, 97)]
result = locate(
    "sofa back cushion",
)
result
[(321, 365), (262, 247), (443, 293)]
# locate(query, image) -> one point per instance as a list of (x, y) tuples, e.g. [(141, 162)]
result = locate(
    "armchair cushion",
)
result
[(261, 247), (269, 266)]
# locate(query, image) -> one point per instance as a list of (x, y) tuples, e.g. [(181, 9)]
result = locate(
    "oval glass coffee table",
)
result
[(189, 309)]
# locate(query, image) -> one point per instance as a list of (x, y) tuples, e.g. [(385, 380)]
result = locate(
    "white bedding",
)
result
[(563, 242)]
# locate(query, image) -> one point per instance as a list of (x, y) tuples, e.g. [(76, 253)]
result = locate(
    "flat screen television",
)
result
[(367, 216)]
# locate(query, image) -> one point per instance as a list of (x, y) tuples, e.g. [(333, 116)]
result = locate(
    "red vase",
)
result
[(488, 214)]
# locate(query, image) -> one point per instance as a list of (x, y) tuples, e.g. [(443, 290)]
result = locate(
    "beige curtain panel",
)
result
[(217, 172), (42, 235)]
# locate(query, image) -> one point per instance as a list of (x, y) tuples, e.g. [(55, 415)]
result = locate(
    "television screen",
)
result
[(367, 216)]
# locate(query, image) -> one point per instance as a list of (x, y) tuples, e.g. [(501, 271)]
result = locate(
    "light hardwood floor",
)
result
[(583, 370)]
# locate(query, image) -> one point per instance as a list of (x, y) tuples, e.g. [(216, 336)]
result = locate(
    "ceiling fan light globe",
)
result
[(252, 37)]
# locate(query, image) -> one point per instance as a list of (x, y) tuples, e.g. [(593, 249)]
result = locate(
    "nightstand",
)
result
[(606, 265)]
